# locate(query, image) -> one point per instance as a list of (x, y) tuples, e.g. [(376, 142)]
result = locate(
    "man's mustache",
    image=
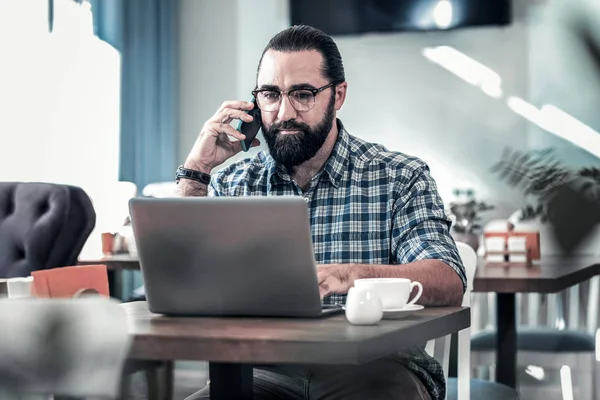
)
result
[(290, 125)]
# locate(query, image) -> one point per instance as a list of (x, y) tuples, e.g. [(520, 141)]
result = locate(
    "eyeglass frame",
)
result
[(314, 92)]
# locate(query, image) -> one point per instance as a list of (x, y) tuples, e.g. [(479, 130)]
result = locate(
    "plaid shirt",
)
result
[(367, 205)]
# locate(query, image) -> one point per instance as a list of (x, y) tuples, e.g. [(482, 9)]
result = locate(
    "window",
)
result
[(59, 97)]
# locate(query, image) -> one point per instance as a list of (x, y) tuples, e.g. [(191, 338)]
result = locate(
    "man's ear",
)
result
[(340, 95)]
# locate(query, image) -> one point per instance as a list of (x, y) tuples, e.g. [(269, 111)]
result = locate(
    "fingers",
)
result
[(219, 127), (330, 283), (231, 110), (327, 284), (237, 146), (323, 291), (323, 287), (236, 105), (321, 276), (229, 114)]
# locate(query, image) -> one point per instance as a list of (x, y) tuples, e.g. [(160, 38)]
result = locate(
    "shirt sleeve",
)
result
[(421, 229), (227, 179), (218, 184), (215, 187)]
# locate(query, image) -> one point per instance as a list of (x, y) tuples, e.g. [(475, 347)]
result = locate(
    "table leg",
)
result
[(230, 381), (115, 283), (506, 347)]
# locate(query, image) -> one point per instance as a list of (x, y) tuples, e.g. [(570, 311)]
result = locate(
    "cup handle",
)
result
[(419, 293)]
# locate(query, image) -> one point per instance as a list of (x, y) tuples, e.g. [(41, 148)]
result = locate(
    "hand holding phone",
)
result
[(213, 146), (250, 129)]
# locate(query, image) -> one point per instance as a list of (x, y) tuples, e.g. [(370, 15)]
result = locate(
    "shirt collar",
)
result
[(274, 169), (334, 167), (338, 160)]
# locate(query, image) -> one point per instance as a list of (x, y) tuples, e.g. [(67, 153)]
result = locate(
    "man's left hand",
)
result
[(335, 278)]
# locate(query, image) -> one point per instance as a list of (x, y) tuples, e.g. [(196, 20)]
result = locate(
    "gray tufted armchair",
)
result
[(42, 226)]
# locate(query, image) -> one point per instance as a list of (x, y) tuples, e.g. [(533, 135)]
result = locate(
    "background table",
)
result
[(551, 275)]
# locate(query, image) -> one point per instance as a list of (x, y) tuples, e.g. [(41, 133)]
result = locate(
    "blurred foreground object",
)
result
[(62, 347), (16, 288)]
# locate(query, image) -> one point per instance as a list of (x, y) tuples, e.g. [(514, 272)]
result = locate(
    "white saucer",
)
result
[(401, 312), (398, 313)]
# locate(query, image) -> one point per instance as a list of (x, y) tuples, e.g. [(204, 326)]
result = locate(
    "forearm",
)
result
[(190, 188), (441, 284)]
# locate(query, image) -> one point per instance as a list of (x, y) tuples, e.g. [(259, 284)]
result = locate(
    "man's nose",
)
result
[(286, 110)]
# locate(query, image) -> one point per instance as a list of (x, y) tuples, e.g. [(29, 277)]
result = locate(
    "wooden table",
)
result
[(552, 275), (233, 345), (118, 262)]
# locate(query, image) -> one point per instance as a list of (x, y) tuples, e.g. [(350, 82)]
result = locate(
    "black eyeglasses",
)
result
[(301, 99)]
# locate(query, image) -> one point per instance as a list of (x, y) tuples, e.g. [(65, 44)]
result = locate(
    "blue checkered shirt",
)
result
[(368, 205)]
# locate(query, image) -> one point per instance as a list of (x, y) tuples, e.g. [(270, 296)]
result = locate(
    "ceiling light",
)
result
[(442, 14)]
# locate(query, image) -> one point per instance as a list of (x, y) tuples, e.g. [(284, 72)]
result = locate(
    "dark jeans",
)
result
[(381, 379)]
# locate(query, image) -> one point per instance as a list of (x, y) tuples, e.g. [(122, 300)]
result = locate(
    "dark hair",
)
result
[(302, 38)]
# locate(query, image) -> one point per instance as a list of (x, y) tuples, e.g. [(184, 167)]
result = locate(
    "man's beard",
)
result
[(293, 149)]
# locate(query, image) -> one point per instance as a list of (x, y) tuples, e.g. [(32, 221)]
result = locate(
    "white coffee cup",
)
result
[(363, 307), (393, 292)]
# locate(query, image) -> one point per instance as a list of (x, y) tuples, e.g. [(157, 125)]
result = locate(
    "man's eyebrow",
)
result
[(302, 86), (293, 87), (269, 87)]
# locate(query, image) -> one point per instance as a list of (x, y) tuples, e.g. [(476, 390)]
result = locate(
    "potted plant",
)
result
[(464, 212), (566, 200)]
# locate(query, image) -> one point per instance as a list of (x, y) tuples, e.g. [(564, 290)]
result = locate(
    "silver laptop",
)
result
[(227, 256)]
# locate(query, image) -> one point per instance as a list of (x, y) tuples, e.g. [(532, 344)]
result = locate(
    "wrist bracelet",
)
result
[(192, 174)]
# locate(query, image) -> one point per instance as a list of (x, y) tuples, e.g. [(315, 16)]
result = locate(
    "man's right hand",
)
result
[(213, 146)]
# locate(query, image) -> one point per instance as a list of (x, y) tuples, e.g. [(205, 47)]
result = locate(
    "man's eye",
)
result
[(303, 95), (271, 95)]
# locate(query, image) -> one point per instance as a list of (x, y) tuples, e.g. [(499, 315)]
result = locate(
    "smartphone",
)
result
[(250, 129)]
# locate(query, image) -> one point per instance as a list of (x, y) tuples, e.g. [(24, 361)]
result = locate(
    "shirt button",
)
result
[(306, 199)]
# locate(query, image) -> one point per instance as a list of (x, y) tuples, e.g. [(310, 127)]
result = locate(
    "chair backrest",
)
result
[(469, 260), (440, 348), (42, 225), (63, 347)]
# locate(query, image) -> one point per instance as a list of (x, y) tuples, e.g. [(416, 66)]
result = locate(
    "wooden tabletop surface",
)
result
[(551, 275), (328, 340), (114, 262)]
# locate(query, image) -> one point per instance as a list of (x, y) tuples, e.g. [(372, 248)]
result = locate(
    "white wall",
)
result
[(221, 42), (396, 97), (207, 64), (562, 74), (400, 99)]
